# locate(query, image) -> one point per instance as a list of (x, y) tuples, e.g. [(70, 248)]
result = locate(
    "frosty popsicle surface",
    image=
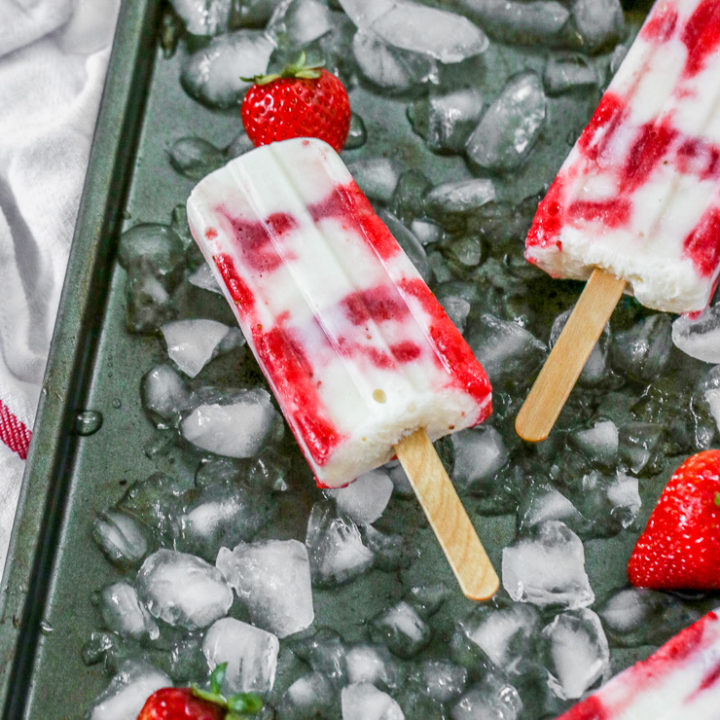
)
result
[(639, 194), (681, 681), (358, 351)]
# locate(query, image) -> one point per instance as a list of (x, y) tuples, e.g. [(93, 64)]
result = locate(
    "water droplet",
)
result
[(88, 422), (117, 403)]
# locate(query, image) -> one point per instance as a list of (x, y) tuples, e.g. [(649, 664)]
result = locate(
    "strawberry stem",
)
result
[(239, 706), (717, 499), (297, 69)]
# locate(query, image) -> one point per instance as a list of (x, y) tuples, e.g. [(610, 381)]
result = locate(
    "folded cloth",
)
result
[(53, 58)]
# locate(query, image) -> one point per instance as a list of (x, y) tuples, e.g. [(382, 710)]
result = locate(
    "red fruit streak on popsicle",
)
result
[(239, 291), (702, 245), (257, 241), (661, 24), (451, 350), (701, 35), (291, 376), (348, 201)]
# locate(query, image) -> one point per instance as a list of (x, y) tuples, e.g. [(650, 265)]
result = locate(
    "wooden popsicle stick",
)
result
[(568, 356), (447, 516)]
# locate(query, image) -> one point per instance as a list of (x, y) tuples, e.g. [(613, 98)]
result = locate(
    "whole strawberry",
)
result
[(680, 548), (302, 101), (192, 703)]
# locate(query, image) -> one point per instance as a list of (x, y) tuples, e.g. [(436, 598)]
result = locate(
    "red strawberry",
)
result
[(195, 704), (301, 102), (680, 548)]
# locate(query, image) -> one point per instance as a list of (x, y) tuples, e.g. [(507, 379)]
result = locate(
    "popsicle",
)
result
[(681, 681), (636, 205), (361, 357)]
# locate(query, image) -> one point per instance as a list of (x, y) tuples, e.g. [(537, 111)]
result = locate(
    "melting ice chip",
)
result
[(336, 550), (164, 395), (128, 690), (373, 664), (310, 696), (202, 17), (272, 578), (491, 698), (402, 629), (547, 568), (479, 454), (204, 279), (120, 537), (507, 132), (182, 589), (365, 499), (123, 613), (234, 428), (443, 680), (250, 654), (699, 338), (363, 701), (578, 653), (191, 344), (443, 35)]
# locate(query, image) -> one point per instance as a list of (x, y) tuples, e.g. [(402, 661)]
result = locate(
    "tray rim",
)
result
[(40, 513)]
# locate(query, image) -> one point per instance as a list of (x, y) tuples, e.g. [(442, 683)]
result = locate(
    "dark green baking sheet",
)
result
[(46, 614)]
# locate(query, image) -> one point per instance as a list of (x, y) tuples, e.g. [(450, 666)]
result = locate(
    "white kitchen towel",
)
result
[(53, 58)]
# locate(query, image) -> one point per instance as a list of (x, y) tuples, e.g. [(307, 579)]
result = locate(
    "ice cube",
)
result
[(407, 25), (336, 550), (600, 23), (644, 351), (402, 629), (204, 279), (566, 73), (638, 616), (507, 351), (191, 344), (428, 598), (182, 589), (164, 395), (296, 23), (577, 651), (547, 568), (389, 68), (407, 200), (194, 157), (390, 550), (595, 367), (204, 17), (443, 680), (272, 578), (506, 632), (376, 177), (453, 203), (511, 125), (154, 502), (699, 338), (151, 250), (408, 242), (640, 444), (426, 232), (213, 75), (363, 701), (624, 497), (365, 499), (373, 664), (121, 538), (543, 502), (147, 303), (325, 652), (599, 443), (310, 696), (479, 454), (490, 699), (127, 692), (531, 23), (122, 612), (446, 121), (217, 515), (250, 654), (235, 426), (457, 309)]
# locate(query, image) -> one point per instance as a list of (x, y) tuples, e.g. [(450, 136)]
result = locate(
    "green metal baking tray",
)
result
[(95, 364)]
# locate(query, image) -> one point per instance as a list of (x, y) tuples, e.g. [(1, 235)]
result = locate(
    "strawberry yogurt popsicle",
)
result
[(681, 681), (639, 194), (355, 346), (362, 359)]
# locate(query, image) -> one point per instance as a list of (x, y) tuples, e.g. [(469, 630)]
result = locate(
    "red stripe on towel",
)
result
[(13, 432)]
